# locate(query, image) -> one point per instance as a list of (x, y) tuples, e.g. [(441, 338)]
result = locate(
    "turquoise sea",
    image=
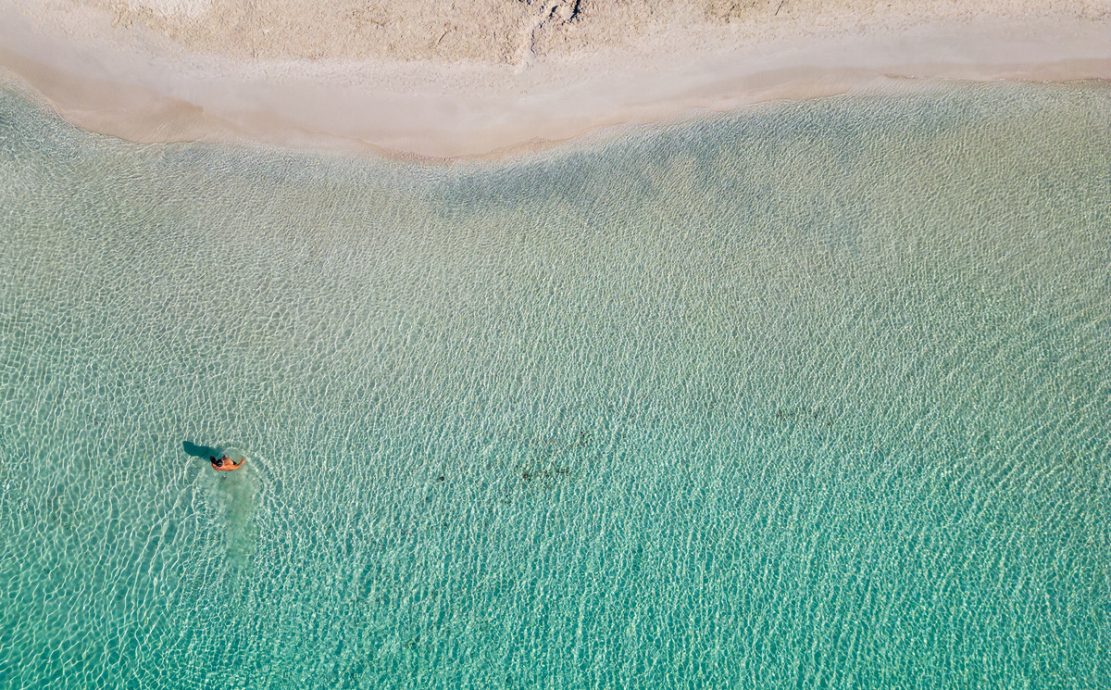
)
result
[(817, 395)]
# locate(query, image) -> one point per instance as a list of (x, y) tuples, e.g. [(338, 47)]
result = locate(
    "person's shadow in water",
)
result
[(203, 452)]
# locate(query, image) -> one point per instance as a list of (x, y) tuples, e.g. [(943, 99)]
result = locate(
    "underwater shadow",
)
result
[(205, 452)]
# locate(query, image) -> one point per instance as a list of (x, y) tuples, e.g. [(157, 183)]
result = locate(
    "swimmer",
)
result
[(225, 464)]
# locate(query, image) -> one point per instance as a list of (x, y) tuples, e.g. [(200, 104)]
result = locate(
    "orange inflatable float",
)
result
[(225, 464)]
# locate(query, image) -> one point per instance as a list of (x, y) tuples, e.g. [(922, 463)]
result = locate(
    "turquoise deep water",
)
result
[(816, 396)]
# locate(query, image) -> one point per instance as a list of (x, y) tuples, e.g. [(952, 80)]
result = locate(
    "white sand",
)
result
[(523, 75)]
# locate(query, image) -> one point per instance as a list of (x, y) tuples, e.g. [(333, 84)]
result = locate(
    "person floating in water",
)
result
[(225, 464)]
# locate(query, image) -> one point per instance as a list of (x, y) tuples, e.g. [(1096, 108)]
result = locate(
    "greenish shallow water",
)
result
[(818, 396)]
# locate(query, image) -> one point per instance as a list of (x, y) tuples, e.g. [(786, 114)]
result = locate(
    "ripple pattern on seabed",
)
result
[(810, 397)]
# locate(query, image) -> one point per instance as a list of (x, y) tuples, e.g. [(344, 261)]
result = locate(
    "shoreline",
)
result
[(139, 86)]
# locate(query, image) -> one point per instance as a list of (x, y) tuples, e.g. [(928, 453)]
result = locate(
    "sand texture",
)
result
[(511, 31), (443, 80)]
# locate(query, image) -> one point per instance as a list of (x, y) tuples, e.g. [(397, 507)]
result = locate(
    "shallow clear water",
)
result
[(817, 396)]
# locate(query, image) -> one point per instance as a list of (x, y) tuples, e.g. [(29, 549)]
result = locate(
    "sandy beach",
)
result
[(495, 77)]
